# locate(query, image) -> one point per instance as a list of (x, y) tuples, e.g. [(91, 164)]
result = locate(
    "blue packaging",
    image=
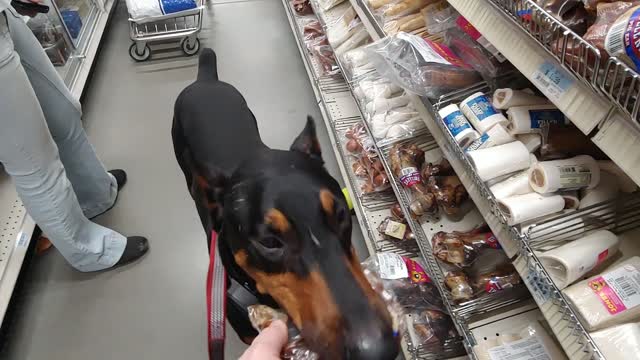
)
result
[(481, 107), (550, 117), (456, 123)]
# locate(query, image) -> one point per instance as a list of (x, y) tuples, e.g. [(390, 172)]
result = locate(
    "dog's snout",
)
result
[(372, 346)]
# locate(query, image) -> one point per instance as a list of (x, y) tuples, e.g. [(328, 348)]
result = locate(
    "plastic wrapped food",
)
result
[(405, 161), (618, 342), (312, 29), (396, 211), (449, 192), (610, 298), (404, 7), (607, 13), (343, 27), (473, 53), (571, 13), (365, 161), (302, 7), (458, 283), (328, 4), (406, 280), (356, 64), (462, 248), (620, 43), (326, 57), (443, 168), (533, 340), (261, 316), (419, 65), (431, 328), (439, 17), (398, 232)]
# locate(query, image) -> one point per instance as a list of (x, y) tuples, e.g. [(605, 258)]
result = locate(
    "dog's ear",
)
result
[(307, 141)]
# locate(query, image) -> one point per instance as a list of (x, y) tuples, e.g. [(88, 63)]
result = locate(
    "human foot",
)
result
[(121, 177), (136, 247)]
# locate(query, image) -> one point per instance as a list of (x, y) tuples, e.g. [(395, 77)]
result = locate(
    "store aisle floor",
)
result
[(156, 308)]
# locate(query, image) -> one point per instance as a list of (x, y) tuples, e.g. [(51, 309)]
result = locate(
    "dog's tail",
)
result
[(208, 65)]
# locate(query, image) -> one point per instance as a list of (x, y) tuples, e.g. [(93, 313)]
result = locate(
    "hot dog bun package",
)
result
[(610, 298), (421, 66)]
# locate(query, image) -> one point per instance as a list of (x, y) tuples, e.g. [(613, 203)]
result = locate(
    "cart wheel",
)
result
[(133, 52), (190, 49)]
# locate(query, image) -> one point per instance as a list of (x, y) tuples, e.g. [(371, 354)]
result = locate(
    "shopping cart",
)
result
[(184, 25)]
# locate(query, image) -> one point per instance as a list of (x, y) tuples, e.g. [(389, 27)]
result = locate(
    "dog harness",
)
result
[(216, 301)]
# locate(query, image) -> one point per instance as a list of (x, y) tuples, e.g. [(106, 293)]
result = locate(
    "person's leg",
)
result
[(94, 187), (31, 158)]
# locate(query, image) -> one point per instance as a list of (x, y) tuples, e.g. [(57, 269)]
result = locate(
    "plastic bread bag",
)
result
[(343, 27), (462, 248), (430, 328), (405, 161), (359, 36), (439, 17), (406, 280), (328, 4), (356, 64), (610, 298), (533, 340), (302, 7), (421, 66), (261, 316), (366, 164), (618, 342), (473, 53)]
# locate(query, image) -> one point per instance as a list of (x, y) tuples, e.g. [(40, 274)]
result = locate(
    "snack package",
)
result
[(449, 192), (421, 66), (464, 287), (324, 54), (302, 7), (462, 248), (328, 4), (473, 53), (607, 13), (397, 231), (343, 28), (443, 168), (431, 328), (620, 39), (533, 340), (610, 298), (261, 316), (570, 13), (312, 29), (356, 64), (365, 162), (405, 161), (618, 342), (396, 123)]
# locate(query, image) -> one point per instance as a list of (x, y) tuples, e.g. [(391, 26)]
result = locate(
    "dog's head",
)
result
[(289, 228)]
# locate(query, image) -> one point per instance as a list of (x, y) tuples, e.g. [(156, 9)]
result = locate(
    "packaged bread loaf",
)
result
[(610, 298)]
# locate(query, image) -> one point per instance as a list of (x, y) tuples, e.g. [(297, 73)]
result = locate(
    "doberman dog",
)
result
[(284, 225)]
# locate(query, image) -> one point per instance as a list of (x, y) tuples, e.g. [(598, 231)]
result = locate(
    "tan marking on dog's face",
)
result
[(327, 201), (276, 219), (307, 300)]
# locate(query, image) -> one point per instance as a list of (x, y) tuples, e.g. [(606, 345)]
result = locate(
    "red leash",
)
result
[(216, 301)]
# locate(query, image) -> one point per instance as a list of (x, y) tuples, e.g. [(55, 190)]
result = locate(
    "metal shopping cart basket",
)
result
[(184, 25)]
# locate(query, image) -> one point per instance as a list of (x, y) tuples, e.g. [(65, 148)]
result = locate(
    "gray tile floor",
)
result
[(156, 308)]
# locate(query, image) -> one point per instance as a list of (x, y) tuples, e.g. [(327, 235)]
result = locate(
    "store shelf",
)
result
[(536, 46), (78, 67), (16, 230)]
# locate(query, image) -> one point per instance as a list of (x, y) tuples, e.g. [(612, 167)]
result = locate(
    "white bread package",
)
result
[(610, 298), (619, 342)]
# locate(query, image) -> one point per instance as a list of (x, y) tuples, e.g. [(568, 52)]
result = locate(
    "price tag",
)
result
[(22, 240), (395, 229), (530, 348), (392, 266), (552, 80), (540, 291)]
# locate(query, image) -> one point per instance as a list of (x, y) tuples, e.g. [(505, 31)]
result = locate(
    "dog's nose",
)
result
[(382, 347)]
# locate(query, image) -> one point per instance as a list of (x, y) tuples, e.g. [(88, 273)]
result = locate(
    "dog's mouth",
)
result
[(335, 309)]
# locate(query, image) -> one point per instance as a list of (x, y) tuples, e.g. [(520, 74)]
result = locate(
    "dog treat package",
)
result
[(449, 192), (398, 232), (302, 7), (356, 64), (421, 306), (324, 54), (421, 66), (328, 4), (261, 316), (406, 160), (609, 298), (474, 54), (531, 342), (439, 17), (365, 163), (463, 248), (469, 284), (312, 29)]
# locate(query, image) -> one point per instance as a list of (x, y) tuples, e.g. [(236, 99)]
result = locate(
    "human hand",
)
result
[(268, 344)]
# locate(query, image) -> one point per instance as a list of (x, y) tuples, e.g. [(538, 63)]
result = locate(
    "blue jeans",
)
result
[(45, 149)]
